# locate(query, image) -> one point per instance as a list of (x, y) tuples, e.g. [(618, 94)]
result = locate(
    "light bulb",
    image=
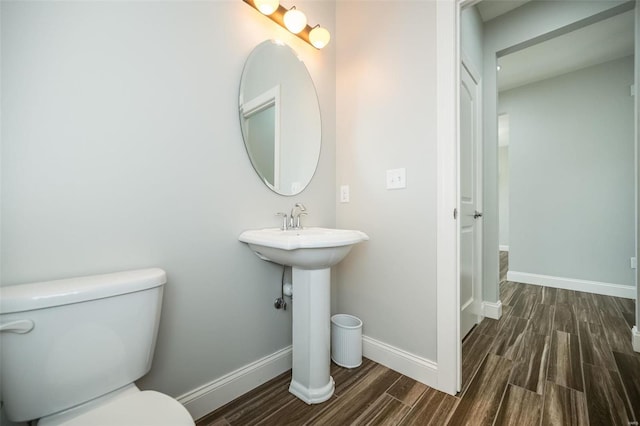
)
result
[(295, 20), (267, 7), (319, 37)]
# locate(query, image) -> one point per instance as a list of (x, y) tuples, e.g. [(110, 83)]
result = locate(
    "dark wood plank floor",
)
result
[(556, 357)]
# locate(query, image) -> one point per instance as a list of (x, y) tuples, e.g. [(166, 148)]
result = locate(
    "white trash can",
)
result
[(346, 340)]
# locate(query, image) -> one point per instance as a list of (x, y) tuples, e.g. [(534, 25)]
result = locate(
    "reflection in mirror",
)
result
[(260, 117), (280, 118)]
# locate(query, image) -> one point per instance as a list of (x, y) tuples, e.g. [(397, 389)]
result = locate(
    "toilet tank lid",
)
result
[(46, 294)]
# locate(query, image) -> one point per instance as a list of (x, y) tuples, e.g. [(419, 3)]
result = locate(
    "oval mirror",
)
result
[(280, 117)]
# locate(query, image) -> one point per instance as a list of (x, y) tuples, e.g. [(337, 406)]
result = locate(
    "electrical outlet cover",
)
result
[(396, 178)]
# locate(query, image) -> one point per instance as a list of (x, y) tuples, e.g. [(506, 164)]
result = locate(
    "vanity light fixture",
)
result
[(293, 20), (267, 7), (319, 37)]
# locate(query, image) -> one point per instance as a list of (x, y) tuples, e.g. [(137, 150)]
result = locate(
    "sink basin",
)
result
[(311, 252), (307, 248)]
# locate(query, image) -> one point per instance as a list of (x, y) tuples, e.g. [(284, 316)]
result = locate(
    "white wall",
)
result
[(571, 174), (386, 119), (121, 149), (534, 20)]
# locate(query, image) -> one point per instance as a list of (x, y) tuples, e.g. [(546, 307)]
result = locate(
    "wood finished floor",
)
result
[(556, 357)]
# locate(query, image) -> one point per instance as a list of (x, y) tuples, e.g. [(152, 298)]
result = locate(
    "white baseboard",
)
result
[(492, 310), (503, 248), (608, 289), (635, 338), (215, 394), (413, 366)]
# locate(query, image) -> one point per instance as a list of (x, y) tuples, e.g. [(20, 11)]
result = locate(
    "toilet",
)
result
[(70, 351)]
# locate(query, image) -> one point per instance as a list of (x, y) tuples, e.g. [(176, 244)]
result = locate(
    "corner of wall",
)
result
[(635, 333), (492, 310)]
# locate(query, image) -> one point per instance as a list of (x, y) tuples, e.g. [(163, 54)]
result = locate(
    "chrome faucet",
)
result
[(294, 219), (285, 221)]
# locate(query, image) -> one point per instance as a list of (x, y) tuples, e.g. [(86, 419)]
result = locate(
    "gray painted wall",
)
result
[(571, 173), (387, 119), (121, 149)]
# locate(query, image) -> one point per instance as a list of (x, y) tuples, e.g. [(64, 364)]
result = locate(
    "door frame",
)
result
[(448, 57)]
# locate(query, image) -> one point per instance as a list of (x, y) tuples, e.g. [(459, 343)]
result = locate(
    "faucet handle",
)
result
[(285, 222), (298, 219)]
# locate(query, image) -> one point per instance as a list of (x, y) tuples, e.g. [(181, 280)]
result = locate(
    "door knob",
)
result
[(477, 214)]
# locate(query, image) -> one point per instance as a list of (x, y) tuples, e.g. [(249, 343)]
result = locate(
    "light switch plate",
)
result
[(397, 178)]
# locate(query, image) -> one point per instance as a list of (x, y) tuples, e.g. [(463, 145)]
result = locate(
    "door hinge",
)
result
[(455, 213)]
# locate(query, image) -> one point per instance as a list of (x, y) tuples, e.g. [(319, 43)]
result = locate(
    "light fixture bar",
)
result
[(278, 18)]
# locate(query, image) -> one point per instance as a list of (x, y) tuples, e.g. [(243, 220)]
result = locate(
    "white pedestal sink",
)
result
[(311, 252)]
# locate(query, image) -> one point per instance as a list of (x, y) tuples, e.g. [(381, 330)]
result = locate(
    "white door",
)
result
[(470, 205)]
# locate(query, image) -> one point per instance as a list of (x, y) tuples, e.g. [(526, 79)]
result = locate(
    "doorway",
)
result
[(449, 73)]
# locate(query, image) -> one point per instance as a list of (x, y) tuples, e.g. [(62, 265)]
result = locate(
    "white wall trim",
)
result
[(636, 336), (608, 289), (215, 394), (491, 309), (503, 248), (413, 366), (449, 348)]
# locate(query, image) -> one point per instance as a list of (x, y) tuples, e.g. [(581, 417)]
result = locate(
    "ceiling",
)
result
[(603, 41)]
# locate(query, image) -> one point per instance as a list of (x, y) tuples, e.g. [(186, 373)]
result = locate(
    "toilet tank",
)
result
[(66, 342)]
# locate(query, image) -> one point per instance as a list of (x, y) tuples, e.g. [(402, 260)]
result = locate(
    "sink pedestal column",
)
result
[(311, 381)]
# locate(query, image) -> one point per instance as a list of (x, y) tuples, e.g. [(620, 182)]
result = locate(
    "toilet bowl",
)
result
[(71, 350), (128, 406)]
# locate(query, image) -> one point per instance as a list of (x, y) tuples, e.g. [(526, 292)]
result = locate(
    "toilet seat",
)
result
[(131, 408)]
